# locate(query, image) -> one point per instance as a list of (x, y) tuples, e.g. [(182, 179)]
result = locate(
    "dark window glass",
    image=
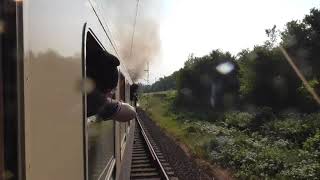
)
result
[(100, 135)]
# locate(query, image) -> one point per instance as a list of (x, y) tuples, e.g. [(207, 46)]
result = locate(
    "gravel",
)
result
[(184, 167)]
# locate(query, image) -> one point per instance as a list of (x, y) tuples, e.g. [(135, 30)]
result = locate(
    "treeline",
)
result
[(163, 84), (254, 78)]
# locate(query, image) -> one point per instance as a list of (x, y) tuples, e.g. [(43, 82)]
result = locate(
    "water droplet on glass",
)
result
[(88, 85), (212, 101), (278, 81), (213, 91), (186, 91), (225, 68)]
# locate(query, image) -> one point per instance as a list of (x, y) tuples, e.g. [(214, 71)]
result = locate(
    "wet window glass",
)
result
[(1, 104), (100, 148), (123, 98), (100, 132)]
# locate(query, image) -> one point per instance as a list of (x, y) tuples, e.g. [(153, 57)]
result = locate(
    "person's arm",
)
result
[(113, 109), (125, 113)]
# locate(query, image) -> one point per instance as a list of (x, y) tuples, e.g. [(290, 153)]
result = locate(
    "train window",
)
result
[(1, 126), (128, 99), (100, 149), (122, 86), (1, 116), (101, 135)]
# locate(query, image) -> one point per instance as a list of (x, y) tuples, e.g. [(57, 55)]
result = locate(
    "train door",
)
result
[(101, 135)]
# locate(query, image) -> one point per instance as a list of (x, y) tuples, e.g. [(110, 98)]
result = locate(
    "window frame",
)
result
[(110, 168)]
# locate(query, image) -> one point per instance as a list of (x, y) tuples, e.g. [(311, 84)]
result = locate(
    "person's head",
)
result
[(105, 74), (108, 79)]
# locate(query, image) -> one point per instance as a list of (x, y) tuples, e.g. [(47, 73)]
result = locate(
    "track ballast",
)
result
[(147, 160)]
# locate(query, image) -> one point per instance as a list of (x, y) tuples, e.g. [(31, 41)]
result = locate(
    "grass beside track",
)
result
[(158, 107), (260, 145)]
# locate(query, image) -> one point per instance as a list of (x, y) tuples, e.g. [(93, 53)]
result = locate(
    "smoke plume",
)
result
[(146, 41)]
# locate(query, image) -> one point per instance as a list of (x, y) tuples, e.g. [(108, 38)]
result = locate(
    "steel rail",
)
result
[(156, 160)]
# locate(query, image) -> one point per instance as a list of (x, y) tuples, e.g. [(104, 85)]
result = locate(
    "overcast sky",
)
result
[(199, 26)]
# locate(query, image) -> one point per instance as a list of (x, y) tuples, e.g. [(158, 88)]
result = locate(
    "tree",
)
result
[(163, 84), (209, 82), (266, 78)]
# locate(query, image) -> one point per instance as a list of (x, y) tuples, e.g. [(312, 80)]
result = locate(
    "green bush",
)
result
[(313, 120), (238, 119), (257, 157), (246, 120), (262, 116), (255, 145), (307, 166), (272, 151), (293, 129), (192, 130), (313, 143)]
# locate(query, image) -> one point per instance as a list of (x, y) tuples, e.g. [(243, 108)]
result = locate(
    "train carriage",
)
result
[(46, 49)]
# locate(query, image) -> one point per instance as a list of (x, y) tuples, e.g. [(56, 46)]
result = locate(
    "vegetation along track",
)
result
[(147, 160)]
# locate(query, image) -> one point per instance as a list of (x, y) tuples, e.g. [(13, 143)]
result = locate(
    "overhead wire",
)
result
[(134, 27), (106, 21), (105, 31), (113, 43)]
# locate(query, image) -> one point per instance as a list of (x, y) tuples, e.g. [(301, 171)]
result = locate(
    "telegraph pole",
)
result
[(148, 73), (148, 76)]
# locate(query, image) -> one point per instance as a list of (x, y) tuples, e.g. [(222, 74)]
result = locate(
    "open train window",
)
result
[(1, 108), (1, 119), (122, 85), (123, 125), (101, 135), (100, 71)]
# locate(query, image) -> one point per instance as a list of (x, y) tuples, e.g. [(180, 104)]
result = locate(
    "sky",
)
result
[(200, 26)]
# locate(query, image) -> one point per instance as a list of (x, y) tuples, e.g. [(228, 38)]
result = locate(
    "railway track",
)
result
[(147, 160)]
